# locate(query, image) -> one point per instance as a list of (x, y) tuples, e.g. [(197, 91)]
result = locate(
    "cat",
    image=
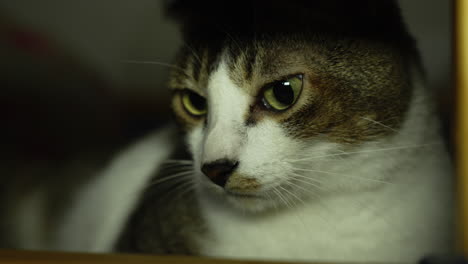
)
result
[(309, 135)]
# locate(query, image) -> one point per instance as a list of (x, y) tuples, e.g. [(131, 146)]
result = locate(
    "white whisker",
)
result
[(309, 183), (379, 123), (174, 166), (271, 198), (296, 213), (174, 176), (184, 187), (293, 195), (367, 151), (305, 177), (316, 196), (280, 196), (344, 175), (172, 66), (291, 183), (179, 161)]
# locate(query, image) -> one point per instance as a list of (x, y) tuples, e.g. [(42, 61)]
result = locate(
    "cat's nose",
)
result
[(219, 171)]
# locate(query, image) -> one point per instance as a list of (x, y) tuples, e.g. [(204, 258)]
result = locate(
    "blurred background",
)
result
[(77, 84)]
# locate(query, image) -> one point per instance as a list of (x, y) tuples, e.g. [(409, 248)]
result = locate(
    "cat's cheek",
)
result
[(264, 153)]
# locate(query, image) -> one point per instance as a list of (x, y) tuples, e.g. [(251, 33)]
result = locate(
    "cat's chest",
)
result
[(305, 233), (330, 230)]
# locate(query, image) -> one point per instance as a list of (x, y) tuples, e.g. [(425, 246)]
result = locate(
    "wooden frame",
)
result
[(461, 127), (38, 257)]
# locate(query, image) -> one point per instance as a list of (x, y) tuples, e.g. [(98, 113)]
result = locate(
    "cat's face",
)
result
[(264, 119)]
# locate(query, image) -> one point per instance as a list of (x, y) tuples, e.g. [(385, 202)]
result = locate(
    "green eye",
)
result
[(282, 94), (194, 103)]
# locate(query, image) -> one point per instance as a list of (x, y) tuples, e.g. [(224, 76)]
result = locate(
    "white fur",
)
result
[(391, 202), (228, 105), (103, 205)]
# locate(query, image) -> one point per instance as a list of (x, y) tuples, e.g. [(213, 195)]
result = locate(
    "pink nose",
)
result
[(219, 171)]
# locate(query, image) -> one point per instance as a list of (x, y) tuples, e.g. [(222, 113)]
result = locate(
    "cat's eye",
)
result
[(281, 95), (194, 103)]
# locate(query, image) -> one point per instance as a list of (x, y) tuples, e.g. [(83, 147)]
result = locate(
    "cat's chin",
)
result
[(245, 202), (249, 203)]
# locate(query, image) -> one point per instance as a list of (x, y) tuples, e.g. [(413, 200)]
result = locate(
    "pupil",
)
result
[(283, 93), (197, 101)]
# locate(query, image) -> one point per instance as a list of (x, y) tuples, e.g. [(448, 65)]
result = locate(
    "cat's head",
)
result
[(269, 92)]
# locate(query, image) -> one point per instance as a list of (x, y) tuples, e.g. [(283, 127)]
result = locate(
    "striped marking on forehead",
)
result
[(238, 65), (194, 67), (242, 63), (198, 64)]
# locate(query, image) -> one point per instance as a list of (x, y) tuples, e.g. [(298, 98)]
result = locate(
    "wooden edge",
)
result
[(461, 129), (39, 257), (36, 257)]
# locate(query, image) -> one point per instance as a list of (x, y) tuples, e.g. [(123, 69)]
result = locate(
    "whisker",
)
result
[(172, 179), (174, 164), (315, 195), (271, 198), (293, 195), (379, 123), (291, 183), (295, 204), (171, 168), (362, 205), (190, 188), (305, 177), (287, 201), (367, 151), (331, 159), (174, 176), (179, 161), (280, 196), (186, 187), (158, 63), (345, 175), (306, 182)]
